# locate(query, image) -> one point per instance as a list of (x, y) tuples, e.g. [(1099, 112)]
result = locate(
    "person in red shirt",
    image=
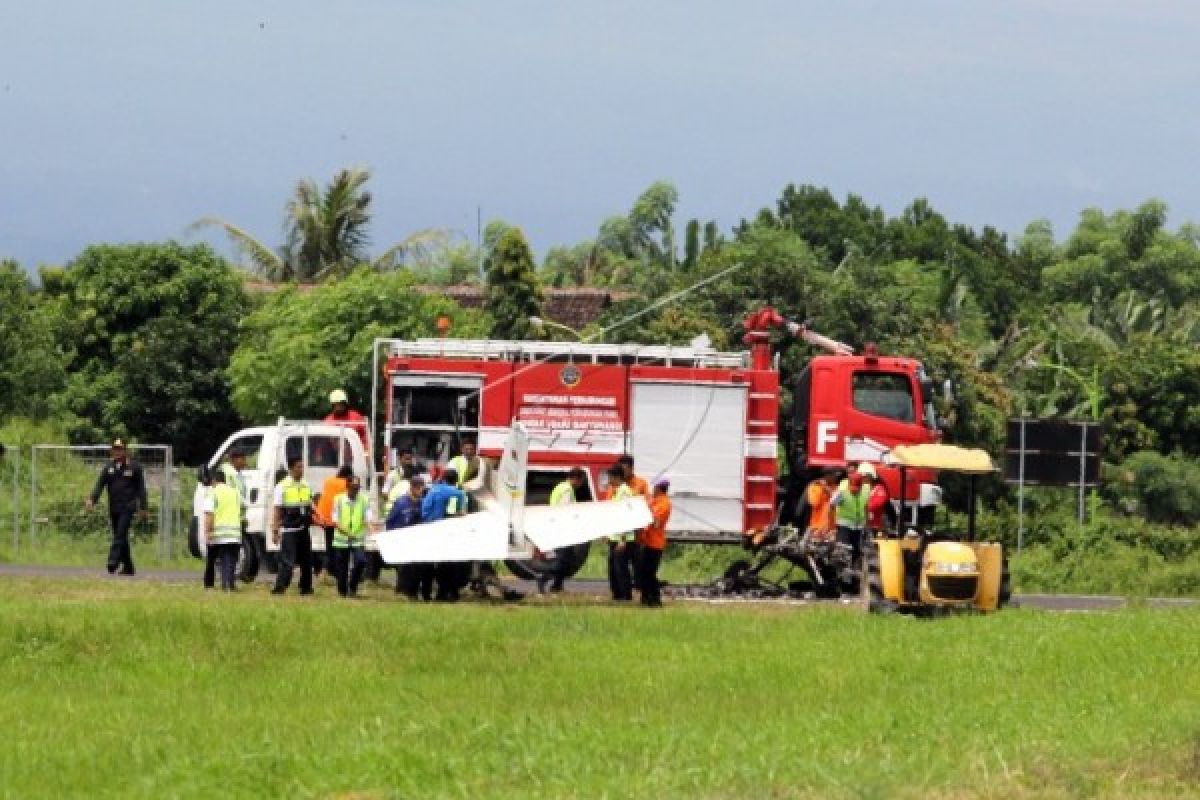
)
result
[(343, 414), (877, 498), (652, 540)]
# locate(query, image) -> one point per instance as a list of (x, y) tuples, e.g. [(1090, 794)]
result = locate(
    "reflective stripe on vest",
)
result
[(352, 520), (462, 466), (297, 498), (564, 492), (227, 515), (624, 491), (852, 508)]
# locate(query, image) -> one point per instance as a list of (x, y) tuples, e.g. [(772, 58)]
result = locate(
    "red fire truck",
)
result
[(707, 420)]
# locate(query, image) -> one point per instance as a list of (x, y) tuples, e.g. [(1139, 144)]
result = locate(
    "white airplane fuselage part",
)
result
[(505, 527)]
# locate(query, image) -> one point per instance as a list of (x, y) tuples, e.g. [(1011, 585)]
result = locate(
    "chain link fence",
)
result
[(59, 528), (10, 498)]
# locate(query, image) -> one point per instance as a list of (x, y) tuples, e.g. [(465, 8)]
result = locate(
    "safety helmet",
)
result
[(338, 396), (867, 471)]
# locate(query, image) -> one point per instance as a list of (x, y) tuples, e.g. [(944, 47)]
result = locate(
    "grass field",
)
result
[(138, 689)]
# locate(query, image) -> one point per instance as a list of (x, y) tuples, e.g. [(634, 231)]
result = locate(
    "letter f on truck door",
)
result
[(826, 435)]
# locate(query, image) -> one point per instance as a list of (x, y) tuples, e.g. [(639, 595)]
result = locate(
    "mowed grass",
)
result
[(116, 689)]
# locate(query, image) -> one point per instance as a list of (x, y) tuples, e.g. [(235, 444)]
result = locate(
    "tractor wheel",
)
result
[(876, 602), (1005, 583), (530, 569)]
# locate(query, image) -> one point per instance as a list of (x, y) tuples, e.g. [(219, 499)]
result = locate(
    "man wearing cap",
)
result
[(342, 414), (652, 540), (126, 486), (850, 500), (412, 580)]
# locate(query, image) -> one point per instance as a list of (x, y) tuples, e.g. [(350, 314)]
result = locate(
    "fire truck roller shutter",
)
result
[(695, 435)]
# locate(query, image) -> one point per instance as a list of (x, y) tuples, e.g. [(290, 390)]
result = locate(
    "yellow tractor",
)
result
[(913, 570)]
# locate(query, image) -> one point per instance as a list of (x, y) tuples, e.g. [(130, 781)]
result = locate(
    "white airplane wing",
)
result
[(475, 537), (551, 527)]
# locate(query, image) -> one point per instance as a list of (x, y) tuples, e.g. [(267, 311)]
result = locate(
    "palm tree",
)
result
[(326, 234)]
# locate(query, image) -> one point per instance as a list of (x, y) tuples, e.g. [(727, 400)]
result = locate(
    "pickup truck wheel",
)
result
[(247, 567), (194, 539)]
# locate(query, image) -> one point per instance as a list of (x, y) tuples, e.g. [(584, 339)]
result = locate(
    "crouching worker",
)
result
[(652, 540), (223, 526), (412, 580), (351, 517)]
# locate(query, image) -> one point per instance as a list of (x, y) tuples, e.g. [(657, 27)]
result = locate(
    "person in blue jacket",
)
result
[(445, 499), (412, 580)]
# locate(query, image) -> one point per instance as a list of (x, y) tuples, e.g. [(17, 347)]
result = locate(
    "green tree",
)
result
[(151, 332), (304, 341), (32, 363), (514, 293), (327, 234)]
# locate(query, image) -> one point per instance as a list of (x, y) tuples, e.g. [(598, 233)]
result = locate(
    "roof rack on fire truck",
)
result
[(580, 352)]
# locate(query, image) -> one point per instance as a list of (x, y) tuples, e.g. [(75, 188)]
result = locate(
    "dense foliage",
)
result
[(303, 341), (150, 328), (514, 293)]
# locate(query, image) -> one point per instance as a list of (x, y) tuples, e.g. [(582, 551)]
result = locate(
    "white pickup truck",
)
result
[(325, 448)]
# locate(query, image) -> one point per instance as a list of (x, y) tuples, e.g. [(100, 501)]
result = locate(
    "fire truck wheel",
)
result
[(194, 539), (271, 562), (532, 568)]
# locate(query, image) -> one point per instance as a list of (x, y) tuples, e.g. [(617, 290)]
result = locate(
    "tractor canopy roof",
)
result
[(941, 457)]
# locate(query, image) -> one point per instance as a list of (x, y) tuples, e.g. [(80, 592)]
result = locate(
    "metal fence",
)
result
[(10, 496), (61, 477)]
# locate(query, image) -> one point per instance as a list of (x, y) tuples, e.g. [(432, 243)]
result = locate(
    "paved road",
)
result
[(1046, 602)]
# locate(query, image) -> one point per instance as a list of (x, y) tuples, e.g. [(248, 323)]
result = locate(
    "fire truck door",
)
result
[(694, 435)]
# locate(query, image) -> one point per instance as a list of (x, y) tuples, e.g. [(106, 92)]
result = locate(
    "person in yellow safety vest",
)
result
[(255, 555), (396, 484), (351, 518), (469, 467), (223, 526), (850, 500), (293, 517), (620, 545), (563, 494)]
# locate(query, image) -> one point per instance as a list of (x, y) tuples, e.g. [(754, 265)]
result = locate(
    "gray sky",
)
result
[(126, 120)]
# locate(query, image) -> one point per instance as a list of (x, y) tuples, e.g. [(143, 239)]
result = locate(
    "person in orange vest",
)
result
[(334, 485), (818, 495), (635, 485), (652, 540)]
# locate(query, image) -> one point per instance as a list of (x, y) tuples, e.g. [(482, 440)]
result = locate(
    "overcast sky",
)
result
[(126, 121)]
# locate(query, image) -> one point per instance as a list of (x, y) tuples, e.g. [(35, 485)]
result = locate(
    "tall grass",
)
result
[(120, 689)]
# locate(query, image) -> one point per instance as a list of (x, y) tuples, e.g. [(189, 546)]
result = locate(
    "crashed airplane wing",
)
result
[(551, 527), (475, 537)]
